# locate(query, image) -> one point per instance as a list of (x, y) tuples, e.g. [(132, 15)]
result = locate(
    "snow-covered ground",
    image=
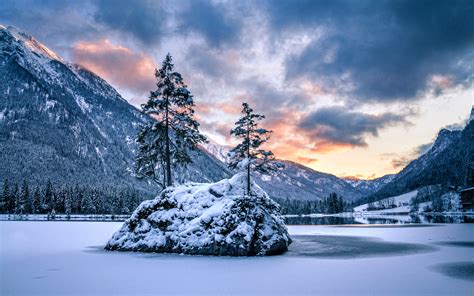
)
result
[(401, 201), (67, 258), (63, 217)]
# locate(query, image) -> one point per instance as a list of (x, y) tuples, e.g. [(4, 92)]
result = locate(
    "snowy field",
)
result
[(67, 258), (403, 198)]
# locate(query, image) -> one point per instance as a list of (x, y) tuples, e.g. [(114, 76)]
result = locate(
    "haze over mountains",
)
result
[(60, 121)]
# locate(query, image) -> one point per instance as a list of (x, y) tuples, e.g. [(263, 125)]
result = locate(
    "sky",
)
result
[(353, 88)]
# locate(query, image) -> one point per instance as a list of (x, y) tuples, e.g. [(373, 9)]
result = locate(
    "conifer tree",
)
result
[(36, 201), (48, 198), (166, 141), (12, 201), (87, 206), (5, 196), (68, 203), (247, 154), (23, 197)]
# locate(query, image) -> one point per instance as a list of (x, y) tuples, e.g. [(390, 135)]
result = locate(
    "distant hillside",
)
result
[(450, 161), (371, 186)]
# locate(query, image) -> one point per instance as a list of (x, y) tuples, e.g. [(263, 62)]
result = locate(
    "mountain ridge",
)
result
[(449, 162), (295, 180), (62, 122)]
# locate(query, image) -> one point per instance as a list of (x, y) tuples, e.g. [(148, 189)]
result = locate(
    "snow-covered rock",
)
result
[(206, 219)]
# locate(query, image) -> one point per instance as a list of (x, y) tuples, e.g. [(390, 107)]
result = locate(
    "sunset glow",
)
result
[(344, 96)]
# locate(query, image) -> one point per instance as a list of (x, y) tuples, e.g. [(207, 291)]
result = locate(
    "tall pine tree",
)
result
[(12, 201), (23, 199), (247, 154), (68, 202), (166, 141), (5, 197), (87, 205), (36, 201), (48, 201)]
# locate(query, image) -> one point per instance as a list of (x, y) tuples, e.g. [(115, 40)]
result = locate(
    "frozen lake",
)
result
[(66, 258)]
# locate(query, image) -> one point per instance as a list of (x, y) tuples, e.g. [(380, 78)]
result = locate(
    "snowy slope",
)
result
[(60, 121), (218, 151), (402, 201)]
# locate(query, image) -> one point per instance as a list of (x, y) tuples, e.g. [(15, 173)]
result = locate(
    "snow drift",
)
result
[(206, 219)]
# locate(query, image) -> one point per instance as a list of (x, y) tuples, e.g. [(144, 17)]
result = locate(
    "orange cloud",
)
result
[(306, 160), (229, 108), (291, 142), (115, 63)]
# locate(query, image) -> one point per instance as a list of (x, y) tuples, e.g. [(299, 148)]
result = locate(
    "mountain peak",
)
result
[(13, 40)]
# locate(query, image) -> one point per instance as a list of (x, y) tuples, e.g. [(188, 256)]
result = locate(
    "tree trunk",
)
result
[(248, 161), (169, 181)]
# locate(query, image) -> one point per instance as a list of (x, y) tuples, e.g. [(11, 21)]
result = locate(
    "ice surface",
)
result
[(67, 258)]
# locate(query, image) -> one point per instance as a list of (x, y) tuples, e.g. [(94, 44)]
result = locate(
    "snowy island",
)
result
[(206, 219)]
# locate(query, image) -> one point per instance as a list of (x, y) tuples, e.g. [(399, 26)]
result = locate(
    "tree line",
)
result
[(22, 199), (332, 204), (66, 199)]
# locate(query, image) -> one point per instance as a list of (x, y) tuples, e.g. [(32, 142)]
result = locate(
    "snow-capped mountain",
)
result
[(218, 151), (60, 121), (450, 161), (370, 186), (295, 181)]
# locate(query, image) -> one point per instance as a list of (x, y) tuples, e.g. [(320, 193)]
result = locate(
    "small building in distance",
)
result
[(467, 198)]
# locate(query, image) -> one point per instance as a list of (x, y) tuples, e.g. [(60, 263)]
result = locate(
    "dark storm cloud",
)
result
[(339, 125), (150, 21), (56, 23), (144, 20), (211, 63), (388, 49), (369, 50), (210, 20)]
